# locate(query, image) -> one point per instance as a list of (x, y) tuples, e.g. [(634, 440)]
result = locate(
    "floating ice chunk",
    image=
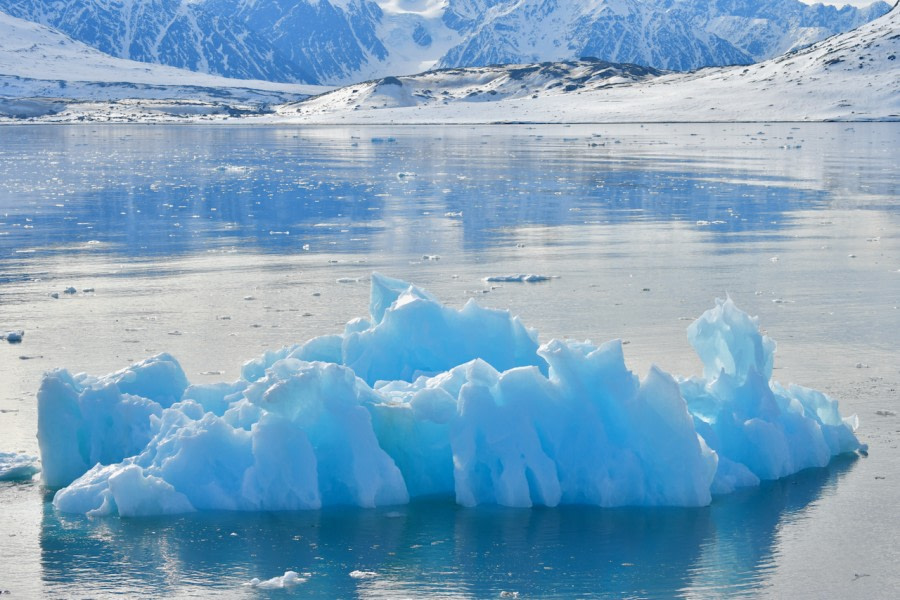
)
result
[(423, 399), (17, 467), (289, 579), (520, 278), (70, 290), (363, 574), (13, 337)]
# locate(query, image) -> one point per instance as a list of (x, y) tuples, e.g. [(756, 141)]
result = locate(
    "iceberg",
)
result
[(421, 399)]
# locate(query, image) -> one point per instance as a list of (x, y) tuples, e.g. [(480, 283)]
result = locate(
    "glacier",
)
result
[(422, 399)]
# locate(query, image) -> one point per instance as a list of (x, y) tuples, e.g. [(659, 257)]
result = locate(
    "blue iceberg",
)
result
[(421, 399)]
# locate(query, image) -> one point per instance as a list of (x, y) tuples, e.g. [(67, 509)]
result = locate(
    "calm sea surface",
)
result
[(215, 243)]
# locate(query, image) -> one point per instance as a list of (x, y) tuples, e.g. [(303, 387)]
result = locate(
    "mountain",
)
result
[(767, 28), (306, 41), (342, 41), (853, 76), (628, 31), (472, 86), (43, 71)]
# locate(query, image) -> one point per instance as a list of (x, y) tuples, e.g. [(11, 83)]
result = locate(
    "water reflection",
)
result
[(139, 192), (435, 548)]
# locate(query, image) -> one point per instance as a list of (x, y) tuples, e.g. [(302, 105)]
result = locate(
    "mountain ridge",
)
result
[(343, 41)]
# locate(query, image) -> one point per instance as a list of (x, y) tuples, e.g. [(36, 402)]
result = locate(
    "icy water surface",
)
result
[(214, 243)]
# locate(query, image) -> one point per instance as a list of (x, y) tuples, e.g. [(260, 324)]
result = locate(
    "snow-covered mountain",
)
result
[(628, 31), (307, 41), (767, 28), (340, 41), (471, 85), (42, 70), (851, 76)]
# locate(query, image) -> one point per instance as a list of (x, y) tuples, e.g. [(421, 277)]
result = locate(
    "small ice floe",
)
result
[(289, 579), (860, 365), (70, 290), (279, 233), (363, 574), (774, 259), (430, 257), (405, 175), (223, 318), (453, 213), (17, 467), (248, 298), (348, 280), (885, 413), (851, 256), (520, 278), (505, 594), (13, 337), (54, 295), (88, 290)]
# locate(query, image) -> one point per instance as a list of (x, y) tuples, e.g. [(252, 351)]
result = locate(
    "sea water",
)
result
[(214, 243)]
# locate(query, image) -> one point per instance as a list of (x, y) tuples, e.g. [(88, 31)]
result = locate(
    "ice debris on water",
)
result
[(363, 574), (17, 467), (289, 579), (519, 278), (421, 399)]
